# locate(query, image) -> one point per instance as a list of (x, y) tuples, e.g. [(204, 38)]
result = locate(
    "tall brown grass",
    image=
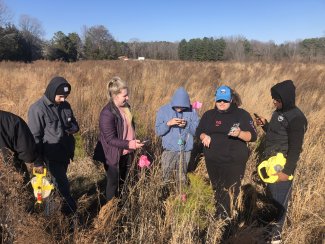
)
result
[(144, 215)]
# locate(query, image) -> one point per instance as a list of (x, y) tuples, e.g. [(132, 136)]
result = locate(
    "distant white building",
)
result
[(140, 58), (123, 58)]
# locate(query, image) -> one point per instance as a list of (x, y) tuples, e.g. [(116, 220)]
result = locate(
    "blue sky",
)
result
[(166, 20)]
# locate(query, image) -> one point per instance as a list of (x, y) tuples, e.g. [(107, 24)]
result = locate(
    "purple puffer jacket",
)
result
[(111, 134)]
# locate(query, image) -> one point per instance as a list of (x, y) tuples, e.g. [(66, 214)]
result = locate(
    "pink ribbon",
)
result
[(197, 105), (144, 162)]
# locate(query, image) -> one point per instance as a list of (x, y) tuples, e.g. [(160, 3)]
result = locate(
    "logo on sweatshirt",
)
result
[(218, 123), (280, 118), (251, 122)]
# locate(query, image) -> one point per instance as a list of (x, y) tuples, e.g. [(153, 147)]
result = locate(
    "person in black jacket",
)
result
[(17, 147), (284, 133), (224, 132), (17, 140), (53, 124)]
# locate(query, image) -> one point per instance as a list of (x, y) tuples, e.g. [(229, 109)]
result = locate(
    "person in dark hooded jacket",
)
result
[(176, 123), (53, 124), (285, 134), (17, 140), (16, 136)]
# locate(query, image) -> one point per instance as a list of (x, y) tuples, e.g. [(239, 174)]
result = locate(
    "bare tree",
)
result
[(33, 32), (99, 43), (5, 13), (31, 25), (134, 44), (235, 49)]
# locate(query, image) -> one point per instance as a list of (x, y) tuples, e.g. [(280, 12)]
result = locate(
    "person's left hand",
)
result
[(282, 176), (182, 123), (235, 132), (38, 169)]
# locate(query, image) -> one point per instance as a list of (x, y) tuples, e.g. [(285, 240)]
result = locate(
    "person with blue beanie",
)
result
[(176, 124)]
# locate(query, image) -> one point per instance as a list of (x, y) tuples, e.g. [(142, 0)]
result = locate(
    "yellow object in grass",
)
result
[(268, 169), (41, 186)]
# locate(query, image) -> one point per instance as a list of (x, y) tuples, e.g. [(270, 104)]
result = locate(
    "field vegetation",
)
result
[(146, 213)]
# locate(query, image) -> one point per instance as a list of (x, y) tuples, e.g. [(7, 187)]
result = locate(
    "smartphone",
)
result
[(256, 116)]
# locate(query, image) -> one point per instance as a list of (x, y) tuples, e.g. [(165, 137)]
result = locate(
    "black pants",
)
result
[(223, 177), (58, 171), (116, 176)]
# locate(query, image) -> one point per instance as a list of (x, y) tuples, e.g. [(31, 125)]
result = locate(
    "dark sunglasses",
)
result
[(224, 101)]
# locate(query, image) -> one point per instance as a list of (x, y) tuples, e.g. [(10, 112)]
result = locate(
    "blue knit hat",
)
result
[(223, 93)]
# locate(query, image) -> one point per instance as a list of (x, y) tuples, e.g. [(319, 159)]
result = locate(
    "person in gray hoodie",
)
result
[(176, 124), (53, 124)]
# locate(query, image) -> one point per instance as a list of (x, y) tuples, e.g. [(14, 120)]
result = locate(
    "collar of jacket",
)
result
[(114, 109), (48, 101)]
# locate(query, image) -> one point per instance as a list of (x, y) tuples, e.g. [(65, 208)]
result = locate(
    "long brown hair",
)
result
[(235, 98)]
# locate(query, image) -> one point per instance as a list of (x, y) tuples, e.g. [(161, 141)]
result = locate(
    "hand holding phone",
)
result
[(259, 120), (256, 116)]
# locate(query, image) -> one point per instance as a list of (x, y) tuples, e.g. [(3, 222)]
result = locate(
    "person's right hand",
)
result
[(138, 144), (38, 169), (260, 121), (206, 141), (175, 121)]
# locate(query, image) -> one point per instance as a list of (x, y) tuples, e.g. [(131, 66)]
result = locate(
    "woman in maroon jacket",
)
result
[(117, 136)]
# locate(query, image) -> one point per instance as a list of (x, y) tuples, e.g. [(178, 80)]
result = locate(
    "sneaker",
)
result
[(276, 242)]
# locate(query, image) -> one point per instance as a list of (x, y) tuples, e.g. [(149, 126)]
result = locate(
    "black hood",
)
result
[(287, 91), (53, 85)]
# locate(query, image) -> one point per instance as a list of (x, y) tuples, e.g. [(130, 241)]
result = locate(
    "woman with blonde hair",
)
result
[(117, 136)]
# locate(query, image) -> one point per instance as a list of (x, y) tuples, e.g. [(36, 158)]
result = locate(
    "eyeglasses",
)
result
[(224, 101)]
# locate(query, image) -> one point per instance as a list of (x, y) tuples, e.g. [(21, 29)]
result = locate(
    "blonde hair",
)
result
[(114, 86)]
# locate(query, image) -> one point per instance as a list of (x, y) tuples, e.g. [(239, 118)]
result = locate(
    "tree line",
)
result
[(25, 43)]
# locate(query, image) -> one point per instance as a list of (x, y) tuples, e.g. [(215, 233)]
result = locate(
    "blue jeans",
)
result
[(281, 194)]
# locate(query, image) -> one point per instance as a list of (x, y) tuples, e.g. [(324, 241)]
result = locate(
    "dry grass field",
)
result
[(144, 215)]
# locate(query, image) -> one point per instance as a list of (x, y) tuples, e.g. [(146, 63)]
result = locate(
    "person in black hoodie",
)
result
[(16, 139), (284, 133), (224, 132), (53, 124)]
